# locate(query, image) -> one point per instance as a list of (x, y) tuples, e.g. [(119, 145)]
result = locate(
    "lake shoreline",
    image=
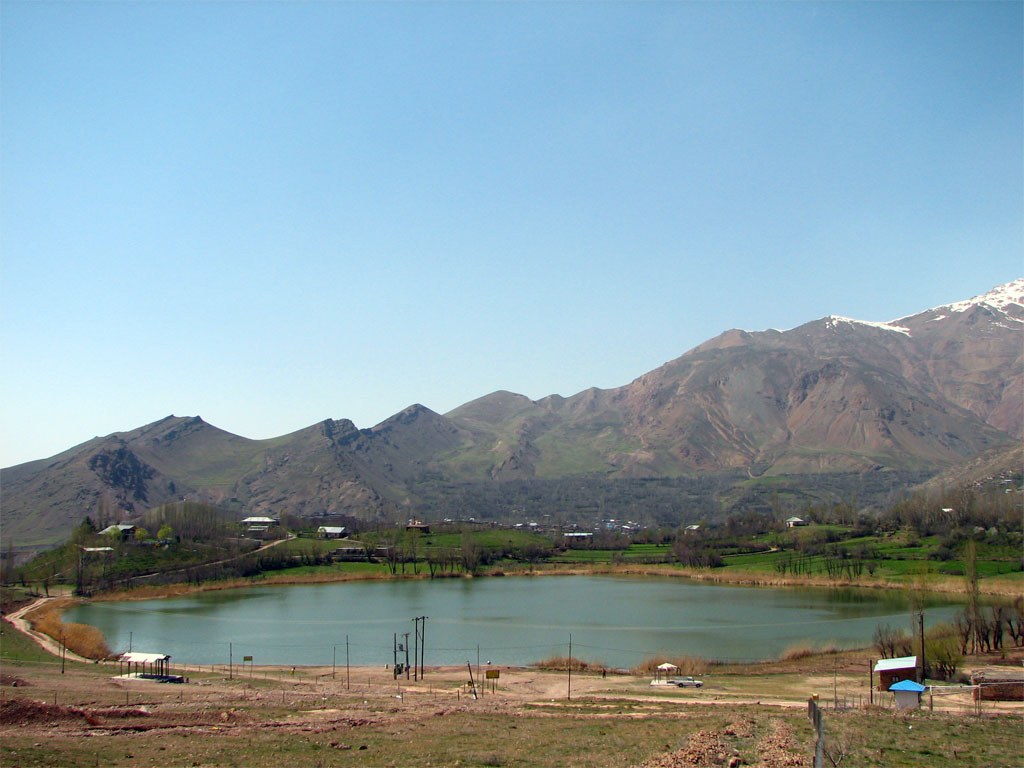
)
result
[(630, 573), (943, 586)]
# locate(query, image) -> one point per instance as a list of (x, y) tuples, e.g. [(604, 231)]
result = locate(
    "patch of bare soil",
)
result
[(26, 712), (710, 749), (775, 750), (704, 749), (12, 681)]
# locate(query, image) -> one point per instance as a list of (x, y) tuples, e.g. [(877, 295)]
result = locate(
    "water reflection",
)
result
[(614, 620)]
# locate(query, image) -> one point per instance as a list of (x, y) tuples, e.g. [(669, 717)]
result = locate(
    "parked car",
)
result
[(686, 682)]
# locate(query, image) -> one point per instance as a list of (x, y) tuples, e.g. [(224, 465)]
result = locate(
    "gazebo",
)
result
[(146, 663), (666, 669)]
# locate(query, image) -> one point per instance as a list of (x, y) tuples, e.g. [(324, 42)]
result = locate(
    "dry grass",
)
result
[(996, 586), (564, 663), (279, 579), (82, 639), (807, 650)]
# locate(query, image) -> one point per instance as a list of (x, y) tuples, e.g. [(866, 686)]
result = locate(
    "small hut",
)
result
[(908, 694), (894, 670)]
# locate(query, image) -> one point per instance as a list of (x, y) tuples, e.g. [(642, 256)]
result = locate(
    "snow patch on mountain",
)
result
[(833, 321)]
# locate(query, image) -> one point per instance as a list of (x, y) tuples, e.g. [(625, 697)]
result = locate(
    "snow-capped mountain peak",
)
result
[(998, 298)]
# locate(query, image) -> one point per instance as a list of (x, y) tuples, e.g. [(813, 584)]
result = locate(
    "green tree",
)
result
[(942, 647), (471, 553)]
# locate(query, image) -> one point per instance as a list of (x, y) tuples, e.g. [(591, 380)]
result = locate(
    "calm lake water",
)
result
[(617, 621)]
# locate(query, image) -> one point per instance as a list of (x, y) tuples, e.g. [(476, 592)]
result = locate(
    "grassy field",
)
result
[(575, 735)]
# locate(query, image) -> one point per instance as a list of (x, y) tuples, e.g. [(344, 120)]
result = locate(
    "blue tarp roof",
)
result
[(907, 685)]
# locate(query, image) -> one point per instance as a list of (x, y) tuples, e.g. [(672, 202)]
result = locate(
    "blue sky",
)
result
[(269, 214)]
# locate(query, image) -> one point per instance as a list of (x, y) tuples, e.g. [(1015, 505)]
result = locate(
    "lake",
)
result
[(617, 621)]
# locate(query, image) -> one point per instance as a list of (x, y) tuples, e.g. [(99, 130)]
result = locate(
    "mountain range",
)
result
[(835, 397)]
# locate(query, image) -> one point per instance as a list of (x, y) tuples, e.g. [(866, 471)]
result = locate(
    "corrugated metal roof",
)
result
[(901, 662)]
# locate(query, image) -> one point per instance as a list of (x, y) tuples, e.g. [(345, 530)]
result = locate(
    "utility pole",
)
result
[(423, 642), (569, 696), (347, 669), (420, 626), (920, 624), (334, 660), (406, 655), (835, 683)]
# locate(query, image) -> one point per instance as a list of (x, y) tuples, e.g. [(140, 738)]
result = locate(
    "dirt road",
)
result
[(47, 643)]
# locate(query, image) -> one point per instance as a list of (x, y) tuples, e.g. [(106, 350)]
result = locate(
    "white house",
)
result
[(121, 530), (795, 522), (331, 531), (258, 524)]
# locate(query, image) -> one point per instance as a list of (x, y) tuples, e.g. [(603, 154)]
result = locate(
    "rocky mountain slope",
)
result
[(917, 395)]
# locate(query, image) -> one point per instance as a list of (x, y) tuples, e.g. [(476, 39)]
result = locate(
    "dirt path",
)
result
[(47, 643)]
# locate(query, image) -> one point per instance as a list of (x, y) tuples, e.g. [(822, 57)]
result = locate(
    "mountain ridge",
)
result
[(922, 393)]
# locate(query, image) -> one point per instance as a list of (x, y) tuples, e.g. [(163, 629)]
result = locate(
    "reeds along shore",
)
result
[(82, 639), (997, 586)]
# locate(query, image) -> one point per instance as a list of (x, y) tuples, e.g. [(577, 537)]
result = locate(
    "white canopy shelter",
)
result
[(665, 669), (146, 663)]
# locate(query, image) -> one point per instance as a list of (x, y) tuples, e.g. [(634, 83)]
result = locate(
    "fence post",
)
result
[(814, 713)]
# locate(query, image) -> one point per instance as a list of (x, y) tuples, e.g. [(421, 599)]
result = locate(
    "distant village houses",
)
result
[(121, 530), (258, 524)]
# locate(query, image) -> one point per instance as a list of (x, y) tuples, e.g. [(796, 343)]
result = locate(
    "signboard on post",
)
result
[(492, 675)]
